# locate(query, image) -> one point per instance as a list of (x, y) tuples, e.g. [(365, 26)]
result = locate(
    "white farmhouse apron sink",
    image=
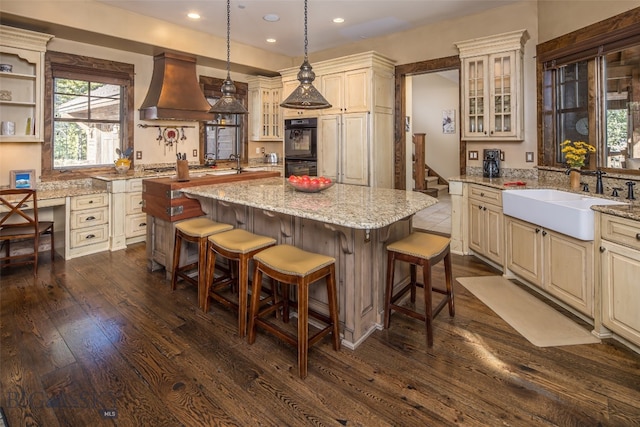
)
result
[(561, 211)]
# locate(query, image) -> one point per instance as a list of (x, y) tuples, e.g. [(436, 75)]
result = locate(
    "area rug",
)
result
[(539, 323)]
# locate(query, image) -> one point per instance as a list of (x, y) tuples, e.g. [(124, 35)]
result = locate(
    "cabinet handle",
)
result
[(638, 236), (91, 218), (142, 224), (602, 249), (90, 201), (537, 230), (140, 202), (90, 236)]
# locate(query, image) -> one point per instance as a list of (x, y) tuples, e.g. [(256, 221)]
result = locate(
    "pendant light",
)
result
[(305, 96), (228, 104)]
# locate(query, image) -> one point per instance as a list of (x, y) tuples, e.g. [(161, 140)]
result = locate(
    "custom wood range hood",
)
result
[(174, 92)]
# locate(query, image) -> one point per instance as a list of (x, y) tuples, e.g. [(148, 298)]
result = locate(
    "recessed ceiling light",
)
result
[(193, 15), (271, 17), (338, 20), (271, 40)]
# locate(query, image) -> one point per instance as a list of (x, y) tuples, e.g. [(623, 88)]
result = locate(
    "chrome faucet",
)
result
[(237, 158)]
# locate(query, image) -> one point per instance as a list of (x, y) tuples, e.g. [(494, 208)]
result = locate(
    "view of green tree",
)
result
[(617, 132)]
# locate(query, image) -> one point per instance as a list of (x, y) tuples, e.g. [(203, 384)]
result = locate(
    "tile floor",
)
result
[(435, 218)]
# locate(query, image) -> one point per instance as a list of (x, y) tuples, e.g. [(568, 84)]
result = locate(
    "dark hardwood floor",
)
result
[(100, 341)]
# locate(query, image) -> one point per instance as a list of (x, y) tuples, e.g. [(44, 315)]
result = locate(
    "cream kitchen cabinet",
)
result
[(486, 236), (347, 92), (264, 102), (23, 88), (88, 225), (342, 154), (619, 276), (128, 222), (559, 264), (355, 135), (492, 87), (135, 229)]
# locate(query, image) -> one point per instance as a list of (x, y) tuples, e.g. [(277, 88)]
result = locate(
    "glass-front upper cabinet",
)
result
[(492, 87), (21, 84)]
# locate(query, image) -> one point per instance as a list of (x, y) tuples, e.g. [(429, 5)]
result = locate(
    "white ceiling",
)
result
[(362, 18)]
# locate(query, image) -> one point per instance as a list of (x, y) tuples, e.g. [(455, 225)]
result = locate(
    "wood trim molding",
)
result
[(402, 71)]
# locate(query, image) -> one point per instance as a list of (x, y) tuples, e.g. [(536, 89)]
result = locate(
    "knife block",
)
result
[(182, 170)]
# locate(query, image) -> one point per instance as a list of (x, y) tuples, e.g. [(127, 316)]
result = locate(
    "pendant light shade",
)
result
[(305, 96), (228, 104)]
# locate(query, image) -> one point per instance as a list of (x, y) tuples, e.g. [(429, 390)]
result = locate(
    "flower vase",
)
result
[(574, 177)]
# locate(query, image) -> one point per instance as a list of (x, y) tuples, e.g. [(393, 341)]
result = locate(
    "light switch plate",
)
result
[(473, 155)]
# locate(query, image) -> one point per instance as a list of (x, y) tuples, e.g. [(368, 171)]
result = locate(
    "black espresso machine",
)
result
[(491, 163)]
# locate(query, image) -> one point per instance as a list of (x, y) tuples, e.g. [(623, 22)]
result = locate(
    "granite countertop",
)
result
[(351, 206), (631, 210), (153, 173)]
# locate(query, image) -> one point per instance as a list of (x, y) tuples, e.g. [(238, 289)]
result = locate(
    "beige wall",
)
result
[(28, 155), (139, 34), (553, 15)]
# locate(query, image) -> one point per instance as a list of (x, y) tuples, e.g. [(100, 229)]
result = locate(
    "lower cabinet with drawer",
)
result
[(135, 222), (486, 235), (88, 225), (620, 276)]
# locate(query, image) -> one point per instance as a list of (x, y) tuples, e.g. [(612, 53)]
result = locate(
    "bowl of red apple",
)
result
[(309, 184)]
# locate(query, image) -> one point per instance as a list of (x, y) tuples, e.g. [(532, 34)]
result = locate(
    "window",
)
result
[(90, 109), (87, 119), (225, 135), (589, 87)]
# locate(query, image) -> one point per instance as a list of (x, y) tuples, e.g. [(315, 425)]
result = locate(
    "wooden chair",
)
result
[(424, 250), (293, 266), (19, 221)]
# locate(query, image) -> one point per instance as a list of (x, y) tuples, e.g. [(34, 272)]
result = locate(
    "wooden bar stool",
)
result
[(425, 250), (292, 266), (235, 245), (195, 230)]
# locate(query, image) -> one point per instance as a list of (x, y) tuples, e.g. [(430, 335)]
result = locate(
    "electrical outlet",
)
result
[(529, 156), (262, 150), (195, 153), (257, 150), (138, 155)]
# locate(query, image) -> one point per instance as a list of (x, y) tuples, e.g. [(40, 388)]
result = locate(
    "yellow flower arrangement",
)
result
[(576, 152)]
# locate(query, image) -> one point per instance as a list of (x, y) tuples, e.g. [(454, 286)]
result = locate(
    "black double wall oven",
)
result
[(300, 146)]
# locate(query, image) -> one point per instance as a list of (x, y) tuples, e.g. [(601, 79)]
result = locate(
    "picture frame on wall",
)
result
[(449, 121), (23, 178)]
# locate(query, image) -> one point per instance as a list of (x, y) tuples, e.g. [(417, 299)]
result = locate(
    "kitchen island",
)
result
[(351, 223)]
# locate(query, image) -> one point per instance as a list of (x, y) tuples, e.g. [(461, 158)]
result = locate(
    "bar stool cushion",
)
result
[(287, 259), (240, 241), (421, 245), (202, 227)]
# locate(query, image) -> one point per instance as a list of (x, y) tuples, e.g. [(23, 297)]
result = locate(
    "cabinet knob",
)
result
[(544, 233), (484, 208), (537, 230), (480, 207), (602, 249), (638, 236), (481, 194)]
